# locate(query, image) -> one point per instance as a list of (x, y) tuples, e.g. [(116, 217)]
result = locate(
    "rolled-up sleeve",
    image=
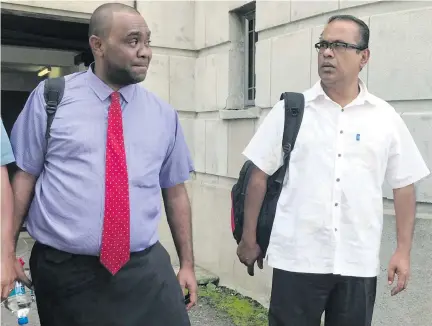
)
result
[(178, 164), (405, 164), (28, 134)]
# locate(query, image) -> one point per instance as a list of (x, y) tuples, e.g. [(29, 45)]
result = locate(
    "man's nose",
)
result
[(144, 51), (328, 53)]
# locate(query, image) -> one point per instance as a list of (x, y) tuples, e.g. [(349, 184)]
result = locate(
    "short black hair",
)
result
[(101, 19), (363, 28)]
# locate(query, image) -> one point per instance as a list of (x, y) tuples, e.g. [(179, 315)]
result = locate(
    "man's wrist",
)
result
[(8, 249), (187, 264), (404, 249), (249, 237)]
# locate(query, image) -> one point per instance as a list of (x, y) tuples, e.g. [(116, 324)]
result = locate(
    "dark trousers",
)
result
[(76, 290), (299, 299)]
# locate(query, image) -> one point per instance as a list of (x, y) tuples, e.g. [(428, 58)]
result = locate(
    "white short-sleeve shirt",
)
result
[(329, 215)]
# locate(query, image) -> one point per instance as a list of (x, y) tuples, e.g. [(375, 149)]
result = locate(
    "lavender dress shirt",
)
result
[(68, 207)]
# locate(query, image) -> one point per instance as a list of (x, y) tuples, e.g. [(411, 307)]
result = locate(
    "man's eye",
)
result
[(340, 44), (134, 42)]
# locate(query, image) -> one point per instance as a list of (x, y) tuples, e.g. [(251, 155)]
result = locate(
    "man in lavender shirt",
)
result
[(66, 214)]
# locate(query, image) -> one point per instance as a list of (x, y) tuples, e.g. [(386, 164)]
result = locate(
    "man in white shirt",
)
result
[(326, 236)]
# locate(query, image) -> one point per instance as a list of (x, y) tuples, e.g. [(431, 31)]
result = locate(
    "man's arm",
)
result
[(404, 168), (23, 185), (248, 249), (174, 173), (404, 203), (29, 145), (265, 152), (8, 245), (405, 207), (8, 273), (178, 211), (255, 193), (7, 221), (10, 267)]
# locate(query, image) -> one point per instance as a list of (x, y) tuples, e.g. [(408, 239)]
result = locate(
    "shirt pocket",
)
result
[(144, 163), (365, 149)]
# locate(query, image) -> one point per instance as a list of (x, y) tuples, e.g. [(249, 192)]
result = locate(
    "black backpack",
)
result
[(53, 94), (294, 108)]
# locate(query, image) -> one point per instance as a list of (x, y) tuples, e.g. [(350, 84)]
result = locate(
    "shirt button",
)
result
[(336, 229), (342, 110), (336, 204), (341, 131), (337, 179), (339, 155)]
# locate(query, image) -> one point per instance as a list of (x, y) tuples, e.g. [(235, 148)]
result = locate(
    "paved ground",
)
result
[(205, 315)]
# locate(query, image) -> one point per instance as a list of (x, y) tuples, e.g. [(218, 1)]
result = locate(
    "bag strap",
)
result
[(53, 94), (294, 109)]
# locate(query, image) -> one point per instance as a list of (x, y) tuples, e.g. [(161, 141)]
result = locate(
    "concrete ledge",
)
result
[(246, 113), (203, 276)]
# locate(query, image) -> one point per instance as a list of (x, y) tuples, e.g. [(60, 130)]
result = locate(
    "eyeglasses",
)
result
[(337, 46)]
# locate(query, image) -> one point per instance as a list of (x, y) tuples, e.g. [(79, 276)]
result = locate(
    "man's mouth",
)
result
[(141, 67), (327, 65)]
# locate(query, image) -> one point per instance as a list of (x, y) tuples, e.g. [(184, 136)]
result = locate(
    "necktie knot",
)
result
[(115, 96)]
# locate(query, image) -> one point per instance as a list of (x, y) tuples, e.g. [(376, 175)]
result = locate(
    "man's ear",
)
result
[(365, 55), (96, 45)]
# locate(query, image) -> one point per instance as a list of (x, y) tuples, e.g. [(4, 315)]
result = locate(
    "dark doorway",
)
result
[(46, 32), (12, 103)]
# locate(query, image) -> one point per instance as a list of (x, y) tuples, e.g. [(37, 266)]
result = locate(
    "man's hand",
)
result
[(11, 271), (187, 280), (249, 252), (399, 265), (8, 275)]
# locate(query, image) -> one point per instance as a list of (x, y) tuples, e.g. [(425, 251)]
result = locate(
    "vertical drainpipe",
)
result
[(135, 4)]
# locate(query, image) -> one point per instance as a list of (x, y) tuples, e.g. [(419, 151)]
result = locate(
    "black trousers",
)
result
[(299, 299), (76, 290)]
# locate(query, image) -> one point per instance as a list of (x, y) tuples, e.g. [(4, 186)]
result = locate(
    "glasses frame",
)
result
[(333, 45)]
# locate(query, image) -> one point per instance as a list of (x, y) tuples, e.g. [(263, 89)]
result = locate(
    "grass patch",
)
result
[(242, 310)]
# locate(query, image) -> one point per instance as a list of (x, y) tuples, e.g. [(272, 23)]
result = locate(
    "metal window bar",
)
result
[(251, 37)]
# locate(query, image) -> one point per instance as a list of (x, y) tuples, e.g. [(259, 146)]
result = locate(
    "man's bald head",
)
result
[(101, 19)]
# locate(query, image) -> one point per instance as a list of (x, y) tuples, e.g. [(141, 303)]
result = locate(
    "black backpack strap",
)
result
[(53, 94), (294, 109)]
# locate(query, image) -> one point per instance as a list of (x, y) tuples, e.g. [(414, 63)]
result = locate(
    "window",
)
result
[(251, 37)]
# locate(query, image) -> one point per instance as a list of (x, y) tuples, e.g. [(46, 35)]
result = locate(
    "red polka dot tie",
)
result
[(115, 250)]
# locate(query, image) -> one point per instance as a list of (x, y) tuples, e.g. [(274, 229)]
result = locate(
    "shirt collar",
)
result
[(317, 91), (103, 91)]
